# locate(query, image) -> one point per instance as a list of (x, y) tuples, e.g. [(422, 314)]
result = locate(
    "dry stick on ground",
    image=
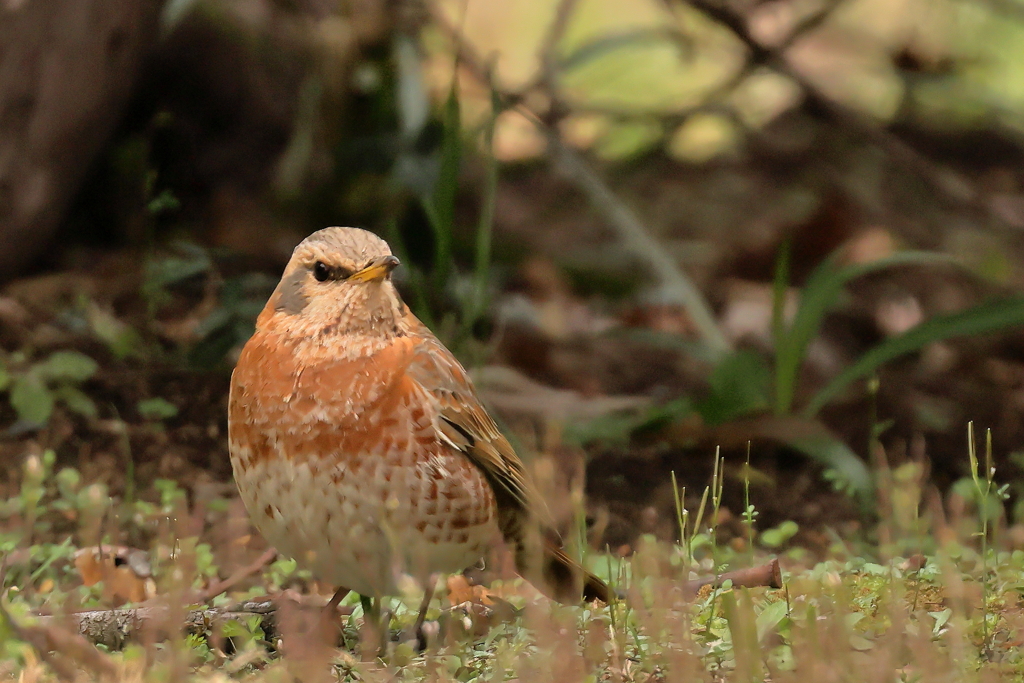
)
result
[(767, 575), (63, 640), (116, 627), (240, 574)]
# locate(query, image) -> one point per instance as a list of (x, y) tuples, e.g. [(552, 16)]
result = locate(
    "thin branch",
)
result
[(809, 23), (549, 46), (635, 235), (1009, 8), (638, 239), (953, 185), (114, 628), (241, 574), (544, 79)]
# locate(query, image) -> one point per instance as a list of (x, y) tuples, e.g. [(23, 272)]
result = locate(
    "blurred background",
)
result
[(791, 230)]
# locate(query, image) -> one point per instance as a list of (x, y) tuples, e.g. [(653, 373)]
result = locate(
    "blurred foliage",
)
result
[(817, 296), (741, 385), (666, 75), (985, 318), (34, 387), (232, 322), (951, 606)]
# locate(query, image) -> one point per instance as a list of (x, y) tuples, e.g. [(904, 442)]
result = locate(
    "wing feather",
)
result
[(464, 424)]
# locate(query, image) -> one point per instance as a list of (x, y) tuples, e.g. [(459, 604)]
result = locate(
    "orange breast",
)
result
[(324, 448)]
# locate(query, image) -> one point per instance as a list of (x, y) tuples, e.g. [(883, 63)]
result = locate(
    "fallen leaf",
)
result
[(125, 572), (460, 591)]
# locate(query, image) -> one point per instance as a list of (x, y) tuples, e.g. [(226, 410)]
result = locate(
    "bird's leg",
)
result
[(339, 595), (330, 624), (374, 631), (371, 608), (428, 595)]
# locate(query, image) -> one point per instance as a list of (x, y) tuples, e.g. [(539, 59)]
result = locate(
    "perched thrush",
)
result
[(359, 444)]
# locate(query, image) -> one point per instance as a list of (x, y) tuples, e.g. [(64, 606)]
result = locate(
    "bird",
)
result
[(360, 446)]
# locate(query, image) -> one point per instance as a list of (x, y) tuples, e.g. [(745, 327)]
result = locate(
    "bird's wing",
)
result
[(463, 423), (466, 426)]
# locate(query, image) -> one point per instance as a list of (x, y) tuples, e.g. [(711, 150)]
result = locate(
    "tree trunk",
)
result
[(67, 69)]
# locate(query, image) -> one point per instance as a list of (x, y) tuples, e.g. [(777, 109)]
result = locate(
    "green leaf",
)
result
[(157, 409), (165, 201), (833, 453), (482, 264), (769, 618), (31, 399), (773, 538), (5, 377), (212, 348), (987, 317), (860, 643), (161, 272), (619, 427), (739, 613), (780, 285), (76, 400), (941, 619), (820, 292), (451, 154), (740, 385), (122, 339), (440, 208), (67, 365), (606, 44)]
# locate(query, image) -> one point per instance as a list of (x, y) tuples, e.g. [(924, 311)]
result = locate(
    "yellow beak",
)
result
[(376, 271)]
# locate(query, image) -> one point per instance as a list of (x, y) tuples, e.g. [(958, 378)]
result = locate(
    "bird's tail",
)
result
[(565, 580), (541, 560)]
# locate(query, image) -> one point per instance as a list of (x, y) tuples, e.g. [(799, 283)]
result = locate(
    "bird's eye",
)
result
[(321, 271)]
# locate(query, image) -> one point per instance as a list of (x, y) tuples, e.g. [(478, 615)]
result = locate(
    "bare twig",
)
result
[(768, 575), (241, 574), (1010, 8), (549, 46), (545, 77), (948, 182), (114, 628), (636, 236), (809, 23), (638, 239)]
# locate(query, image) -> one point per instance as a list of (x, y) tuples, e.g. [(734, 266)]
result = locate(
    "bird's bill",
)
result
[(376, 271)]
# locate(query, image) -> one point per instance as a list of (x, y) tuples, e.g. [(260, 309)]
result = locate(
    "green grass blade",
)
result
[(441, 209), (819, 294), (987, 317), (482, 262), (780, 283), (416, 282), (837, 456)]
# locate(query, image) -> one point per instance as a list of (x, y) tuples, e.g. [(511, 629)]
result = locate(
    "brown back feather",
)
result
[(523, 516)]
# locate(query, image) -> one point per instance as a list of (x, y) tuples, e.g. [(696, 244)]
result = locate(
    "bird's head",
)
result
[(337, 282)]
